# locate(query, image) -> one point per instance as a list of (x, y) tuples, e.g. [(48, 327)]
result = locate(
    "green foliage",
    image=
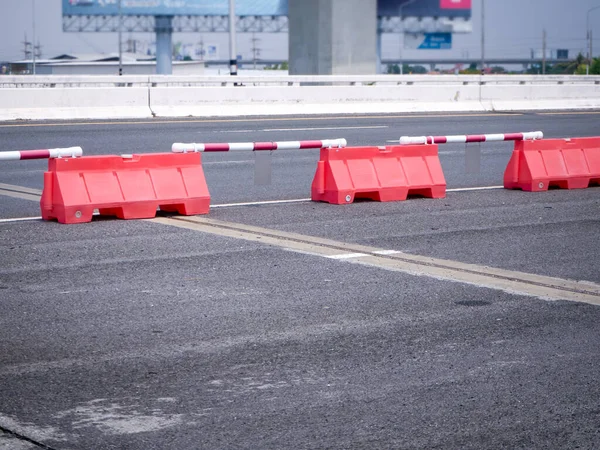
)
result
[(563, 68), (417, 69), (498, 69), (393, 69), (283, 66)]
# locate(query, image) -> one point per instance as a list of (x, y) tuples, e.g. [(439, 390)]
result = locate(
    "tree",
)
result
[(393, 69)]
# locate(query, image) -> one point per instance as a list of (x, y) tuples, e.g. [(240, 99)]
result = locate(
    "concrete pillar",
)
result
[(164, 45), (332, 37)]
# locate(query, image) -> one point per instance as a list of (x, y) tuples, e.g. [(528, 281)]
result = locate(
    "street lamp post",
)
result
[(589, 38), (120, 40), (482, 36), (232, 49)]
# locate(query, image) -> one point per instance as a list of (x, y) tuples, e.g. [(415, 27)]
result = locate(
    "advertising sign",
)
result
[(173, 7), (424, 8), (428, 41), (455, 4)]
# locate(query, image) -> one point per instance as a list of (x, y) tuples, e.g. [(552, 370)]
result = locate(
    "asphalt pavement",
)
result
[(274, 322)]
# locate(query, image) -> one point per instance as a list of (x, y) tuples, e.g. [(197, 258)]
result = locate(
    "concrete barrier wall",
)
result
[(234, 101), (73, 103), (81, 97)]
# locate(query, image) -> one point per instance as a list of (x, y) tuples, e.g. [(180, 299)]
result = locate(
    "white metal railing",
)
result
[(75, 81)]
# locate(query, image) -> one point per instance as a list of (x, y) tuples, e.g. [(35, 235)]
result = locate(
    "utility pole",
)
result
[(589, 37), (482, 36), (202, 51), (26, 48), (232, 49), (544, 52), (255, 49)]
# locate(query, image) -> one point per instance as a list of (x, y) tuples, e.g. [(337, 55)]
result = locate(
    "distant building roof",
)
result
[(101, 57)]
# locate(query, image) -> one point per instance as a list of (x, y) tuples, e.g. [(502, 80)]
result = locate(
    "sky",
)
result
[(513, 28)]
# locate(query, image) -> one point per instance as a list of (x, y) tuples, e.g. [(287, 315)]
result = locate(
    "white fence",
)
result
[(95, 97)]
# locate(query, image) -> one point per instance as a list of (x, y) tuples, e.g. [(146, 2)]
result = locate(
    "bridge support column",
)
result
[(332, 37), (164, 45)]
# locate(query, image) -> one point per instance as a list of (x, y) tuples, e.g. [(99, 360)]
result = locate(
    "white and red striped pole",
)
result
[(258, 146), (461, 139), (41, 154)]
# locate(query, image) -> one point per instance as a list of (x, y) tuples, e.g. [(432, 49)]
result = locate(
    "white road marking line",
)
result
[(468, 189), (387, 252), (366, 127), (228, 163), (230, 131), (266, 202), (19, 219), (347, 256)]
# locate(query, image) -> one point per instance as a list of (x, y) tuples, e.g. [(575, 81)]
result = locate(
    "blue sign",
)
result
[(173, 7), (428, 41)]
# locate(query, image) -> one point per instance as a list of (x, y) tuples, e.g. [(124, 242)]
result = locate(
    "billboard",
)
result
[(425, 8), (391, 8), (455, 4), (173, 7)]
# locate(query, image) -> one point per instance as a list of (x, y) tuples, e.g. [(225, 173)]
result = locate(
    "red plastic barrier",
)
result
[(383, 174), (564, 163), (129, 187)]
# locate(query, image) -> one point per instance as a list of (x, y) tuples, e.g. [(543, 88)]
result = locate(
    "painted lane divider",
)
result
[(41, 154), (513, 282), (257, 146), (461, 139)]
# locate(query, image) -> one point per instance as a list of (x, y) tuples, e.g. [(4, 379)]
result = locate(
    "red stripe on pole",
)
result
[(35, 154), (513, 137), (216, 147), (476, 138), (439, 140), (311, 144), (265, 146)]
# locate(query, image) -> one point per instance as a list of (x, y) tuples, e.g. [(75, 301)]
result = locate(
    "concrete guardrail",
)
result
[(95, 97)]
